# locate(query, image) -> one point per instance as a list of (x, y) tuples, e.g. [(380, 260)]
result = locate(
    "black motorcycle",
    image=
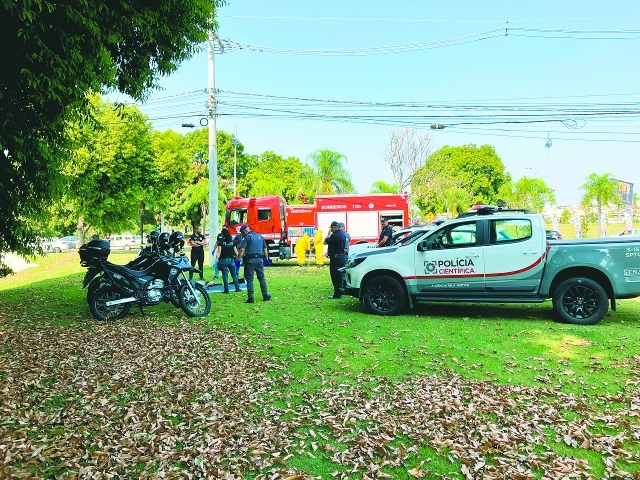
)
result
[(163, 278), (157, 246)]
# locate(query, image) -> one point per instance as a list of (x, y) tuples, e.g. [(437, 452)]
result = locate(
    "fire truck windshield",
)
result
[(237, 216)]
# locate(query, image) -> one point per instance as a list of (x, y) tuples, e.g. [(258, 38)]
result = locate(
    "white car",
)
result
[(395, 238), (54, 245)]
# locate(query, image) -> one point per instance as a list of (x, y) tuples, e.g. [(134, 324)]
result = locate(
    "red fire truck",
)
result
[(282, 225)]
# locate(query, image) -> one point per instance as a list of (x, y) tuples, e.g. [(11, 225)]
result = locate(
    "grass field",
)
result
[(306, 387)]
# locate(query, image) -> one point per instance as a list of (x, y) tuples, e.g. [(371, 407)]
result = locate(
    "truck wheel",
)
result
[(580, 301), (384, 295)]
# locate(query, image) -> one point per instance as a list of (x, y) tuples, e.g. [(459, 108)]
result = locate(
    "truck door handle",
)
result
[(529, 252), (472, 255)]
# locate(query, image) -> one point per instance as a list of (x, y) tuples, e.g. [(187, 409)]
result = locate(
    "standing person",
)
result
[(317, 242), (197, 242), (384, 240), (347, 238), (253, 251), (337, 258), (227, 252), (302, 247), (215, 254)]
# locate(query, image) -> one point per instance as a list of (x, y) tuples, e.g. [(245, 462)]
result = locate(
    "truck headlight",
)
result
[(354, 262)]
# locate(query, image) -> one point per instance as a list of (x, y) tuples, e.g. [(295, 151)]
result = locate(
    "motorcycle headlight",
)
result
[(354, 262)]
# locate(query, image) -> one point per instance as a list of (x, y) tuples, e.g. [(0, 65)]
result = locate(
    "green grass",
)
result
[(328, 345)]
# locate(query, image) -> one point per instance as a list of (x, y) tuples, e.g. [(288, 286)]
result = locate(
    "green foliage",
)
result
[(383, 187), (329, 174), (456, 200), (53, 54), (274, 175), (111, 171), (530, 193), (565, 217), (477, 170), (601, 189)]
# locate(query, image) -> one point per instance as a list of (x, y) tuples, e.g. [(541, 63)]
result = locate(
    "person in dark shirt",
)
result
[(386, 232), (253, 251), (335, 243), (226, 253), (197, 242)]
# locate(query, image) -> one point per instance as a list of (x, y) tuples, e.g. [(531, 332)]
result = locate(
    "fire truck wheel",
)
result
[(384, 295)]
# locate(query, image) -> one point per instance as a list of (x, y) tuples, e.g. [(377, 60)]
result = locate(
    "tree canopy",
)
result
[(601, 189), (329, 174), (530, 193), (53, 54), (477, 170)]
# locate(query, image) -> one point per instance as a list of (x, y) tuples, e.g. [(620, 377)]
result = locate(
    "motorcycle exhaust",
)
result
[(110, 303)]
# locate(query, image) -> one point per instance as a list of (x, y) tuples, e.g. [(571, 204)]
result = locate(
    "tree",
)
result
[(111, 171), (456, 200), (275, 175), (329, 176), (601, 189), (53, 54), (477, 170), (407, 151), (530, 193), (383, 187)]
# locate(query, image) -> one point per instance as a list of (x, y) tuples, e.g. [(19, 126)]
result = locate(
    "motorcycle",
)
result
[(158, 246), (158, 278)]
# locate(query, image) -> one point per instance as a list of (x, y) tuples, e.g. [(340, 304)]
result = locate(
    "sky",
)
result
[(565, 71)]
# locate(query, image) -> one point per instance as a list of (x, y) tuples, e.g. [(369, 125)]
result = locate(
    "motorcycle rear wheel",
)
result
[(99, 308), (194, 306)]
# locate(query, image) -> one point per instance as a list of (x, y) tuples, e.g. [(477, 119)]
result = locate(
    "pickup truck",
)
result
[(498, 256)]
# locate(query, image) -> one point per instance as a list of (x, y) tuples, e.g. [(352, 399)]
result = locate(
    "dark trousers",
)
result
[(336, 262), (226, 265), (251, 266), (197, 256)]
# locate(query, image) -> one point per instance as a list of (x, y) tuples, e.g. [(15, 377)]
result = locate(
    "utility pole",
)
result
[(213, 151), (234, 141)]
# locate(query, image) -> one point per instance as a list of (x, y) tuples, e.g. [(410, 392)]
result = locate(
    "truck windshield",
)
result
[(237, 216)]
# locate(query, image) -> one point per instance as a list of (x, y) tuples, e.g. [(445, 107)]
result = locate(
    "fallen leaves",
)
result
[(144, 399)]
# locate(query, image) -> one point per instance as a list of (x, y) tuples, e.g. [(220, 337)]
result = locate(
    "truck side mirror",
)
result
[(423, 246)]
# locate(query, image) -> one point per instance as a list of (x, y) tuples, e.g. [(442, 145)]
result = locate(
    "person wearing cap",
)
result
[(384, 240), (197, 242), (253, 250), (337, 259)]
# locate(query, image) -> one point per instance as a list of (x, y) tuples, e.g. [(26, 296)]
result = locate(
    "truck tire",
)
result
[(580, 301), (384, 295)]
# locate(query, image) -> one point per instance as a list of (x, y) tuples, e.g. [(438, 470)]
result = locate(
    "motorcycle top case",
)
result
[(94, 249)]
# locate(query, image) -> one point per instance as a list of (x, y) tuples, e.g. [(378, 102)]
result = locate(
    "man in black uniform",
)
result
[(197, 242), (254, 249), (385, 233), (335, 243)]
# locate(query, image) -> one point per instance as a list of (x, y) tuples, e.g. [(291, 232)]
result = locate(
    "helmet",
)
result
[(176, 240), (152, 238), (163, 241)]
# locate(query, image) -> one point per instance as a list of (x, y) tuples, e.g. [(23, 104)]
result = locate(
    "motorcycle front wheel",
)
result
[(197, 305), (99, 308)]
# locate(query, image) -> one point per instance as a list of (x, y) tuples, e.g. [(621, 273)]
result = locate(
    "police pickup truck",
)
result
[(498, 256)]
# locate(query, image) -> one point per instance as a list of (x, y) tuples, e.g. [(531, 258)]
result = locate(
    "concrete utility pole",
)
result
[(213, 151)]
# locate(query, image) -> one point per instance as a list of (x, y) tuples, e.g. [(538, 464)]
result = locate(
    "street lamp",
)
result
[(235, 143)]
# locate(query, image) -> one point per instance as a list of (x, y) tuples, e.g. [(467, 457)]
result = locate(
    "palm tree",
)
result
[(603, 189), (329, 175), (384, 187)]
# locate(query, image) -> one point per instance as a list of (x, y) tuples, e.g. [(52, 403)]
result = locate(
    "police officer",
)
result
[(335, 251), (384, 240), (197, 242), (254, 249), (347, 238)]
